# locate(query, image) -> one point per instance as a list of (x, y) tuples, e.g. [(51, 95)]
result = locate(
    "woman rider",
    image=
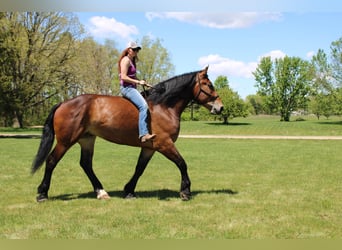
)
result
[(128, 87)]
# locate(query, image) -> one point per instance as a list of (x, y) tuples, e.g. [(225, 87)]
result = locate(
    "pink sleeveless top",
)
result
[(132, 74)]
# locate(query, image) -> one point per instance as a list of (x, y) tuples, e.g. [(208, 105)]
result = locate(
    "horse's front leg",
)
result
[(172, 154), (144, 157)]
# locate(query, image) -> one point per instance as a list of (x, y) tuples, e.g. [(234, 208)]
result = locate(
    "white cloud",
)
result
[(274, 54), (219, 65), (226, 20), (310, 54), (239, 73), (105, 27)]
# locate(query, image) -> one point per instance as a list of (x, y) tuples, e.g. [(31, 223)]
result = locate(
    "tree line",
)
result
[(289, 84), (46, 58)]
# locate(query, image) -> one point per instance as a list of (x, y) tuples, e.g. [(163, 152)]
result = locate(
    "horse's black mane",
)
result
[(170, 91)]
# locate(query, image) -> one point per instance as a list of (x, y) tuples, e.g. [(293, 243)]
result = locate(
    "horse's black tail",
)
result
[(46, 142)]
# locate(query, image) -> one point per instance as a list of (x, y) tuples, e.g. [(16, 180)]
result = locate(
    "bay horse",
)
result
[(115, 119)]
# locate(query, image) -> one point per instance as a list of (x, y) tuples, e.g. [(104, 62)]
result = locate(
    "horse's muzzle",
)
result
[(216, 110), (215, 107)]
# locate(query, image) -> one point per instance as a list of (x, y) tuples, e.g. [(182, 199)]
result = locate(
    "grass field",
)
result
[(267, 125), (242, 189), (252, 125)]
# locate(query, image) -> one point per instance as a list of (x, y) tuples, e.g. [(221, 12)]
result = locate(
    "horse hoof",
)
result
[(102, 195), (42, 197), (184, 196), (130, 196)]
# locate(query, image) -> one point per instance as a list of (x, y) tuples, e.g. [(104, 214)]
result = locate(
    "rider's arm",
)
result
[(124, 65)]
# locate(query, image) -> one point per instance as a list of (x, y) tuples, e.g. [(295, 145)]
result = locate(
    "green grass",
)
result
[(242, 189), (266, 125), (253, 125)]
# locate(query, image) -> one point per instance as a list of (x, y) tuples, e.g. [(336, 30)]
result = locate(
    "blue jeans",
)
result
[(139, 101)]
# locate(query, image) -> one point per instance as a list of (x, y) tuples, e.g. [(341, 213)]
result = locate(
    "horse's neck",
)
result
[(180, 106)]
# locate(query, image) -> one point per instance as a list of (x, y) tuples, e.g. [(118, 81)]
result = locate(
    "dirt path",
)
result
[(20, 135), (260, 137)]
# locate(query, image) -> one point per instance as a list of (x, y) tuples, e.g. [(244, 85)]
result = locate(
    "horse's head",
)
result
[(205, 94)]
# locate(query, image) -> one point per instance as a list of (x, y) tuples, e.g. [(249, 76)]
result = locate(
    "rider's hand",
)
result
[(142, 82)]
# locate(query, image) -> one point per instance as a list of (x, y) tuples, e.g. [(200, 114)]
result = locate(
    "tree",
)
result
[(322, 88), (221, 82), (336, 57), (285, 83), (234, 106), (257, 104), (35, 50), (264, 75), (338, 101), (154, 63), (322, 104), (336, 64), (322, 73), (95, 68)]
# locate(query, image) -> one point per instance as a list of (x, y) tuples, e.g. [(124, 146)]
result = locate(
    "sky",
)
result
[(229, 36), (231, 43)]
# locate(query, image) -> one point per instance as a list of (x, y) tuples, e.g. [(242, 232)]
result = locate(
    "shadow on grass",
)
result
[(163, 194), (229, 124), (329, 122)]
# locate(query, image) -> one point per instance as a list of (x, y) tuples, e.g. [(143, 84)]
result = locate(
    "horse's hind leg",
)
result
[(51, 162), (86, 162), (144, 158)]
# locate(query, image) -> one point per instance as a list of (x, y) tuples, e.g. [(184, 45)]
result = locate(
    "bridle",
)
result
[(200, 90)]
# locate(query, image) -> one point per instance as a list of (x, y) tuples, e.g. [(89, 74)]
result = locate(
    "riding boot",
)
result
[(147, 137)]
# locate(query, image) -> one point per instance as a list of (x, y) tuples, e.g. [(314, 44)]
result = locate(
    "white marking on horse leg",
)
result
[(102, 195)]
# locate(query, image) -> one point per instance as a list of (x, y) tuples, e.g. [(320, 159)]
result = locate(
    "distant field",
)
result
[(253, 125), (242, 189), (266, 125)]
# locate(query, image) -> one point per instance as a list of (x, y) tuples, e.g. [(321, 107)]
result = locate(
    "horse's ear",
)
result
[(206, 69)]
